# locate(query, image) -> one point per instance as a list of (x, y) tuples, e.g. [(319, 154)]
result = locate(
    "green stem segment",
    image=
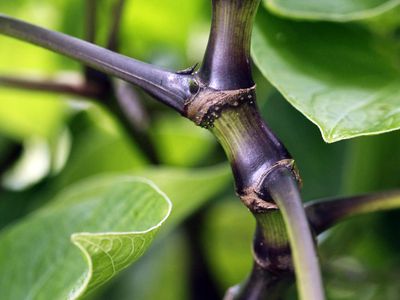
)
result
[(272, 271), (251, 147), (284, 190), (266, 180)]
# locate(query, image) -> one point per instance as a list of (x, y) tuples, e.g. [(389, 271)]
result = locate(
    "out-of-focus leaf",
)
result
[(32, 166), (385, 24), (340, 77), (373, 164), (358, 261), (361, 254), (154, 24), (19, 57), (98, 146), (111, 220), (338, 10), (24, 114), (179, 143), (227, 237)]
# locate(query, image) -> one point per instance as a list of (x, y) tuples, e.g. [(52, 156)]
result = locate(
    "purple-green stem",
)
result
[(222, 89), (324, 214)]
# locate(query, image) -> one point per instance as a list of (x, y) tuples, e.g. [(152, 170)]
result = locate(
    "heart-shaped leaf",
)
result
[(341, 77)]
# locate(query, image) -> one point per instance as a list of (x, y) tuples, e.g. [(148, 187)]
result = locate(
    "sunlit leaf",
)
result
[(180, 143), (24, 114), (155, 24)]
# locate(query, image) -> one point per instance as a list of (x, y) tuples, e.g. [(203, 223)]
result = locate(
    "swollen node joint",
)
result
[(255, 196), (207, 104)]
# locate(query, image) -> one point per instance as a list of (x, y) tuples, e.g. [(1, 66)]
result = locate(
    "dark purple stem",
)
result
[(170, 88), (82, 90), (227, 64)]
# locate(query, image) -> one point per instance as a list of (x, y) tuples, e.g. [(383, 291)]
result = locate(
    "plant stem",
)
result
[(261, 285), (82, 90), (226, 64), (272, 272), (91, 17), (129, 101), (123, 103), (112, 40), (323, 214), (284, 190), (170, 88), (251, 147)]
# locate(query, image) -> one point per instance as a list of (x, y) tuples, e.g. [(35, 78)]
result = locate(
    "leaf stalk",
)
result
[(168, 87)]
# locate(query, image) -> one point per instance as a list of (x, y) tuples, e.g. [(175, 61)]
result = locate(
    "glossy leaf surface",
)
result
[(342, 78)]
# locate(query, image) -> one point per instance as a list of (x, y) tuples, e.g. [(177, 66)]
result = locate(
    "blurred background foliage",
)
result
[(48, 141)]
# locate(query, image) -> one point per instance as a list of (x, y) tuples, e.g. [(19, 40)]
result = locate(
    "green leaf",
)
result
[(97, 138), (168, 256), (178, 142), (338, 10), (188, 189), (50, 14), (227, 238), (342, 78), (112, 220), (158, 26), (24, 114)]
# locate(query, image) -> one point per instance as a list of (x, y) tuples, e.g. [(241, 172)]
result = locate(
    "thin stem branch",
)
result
[(112, 40), (170, 88), (272, 271), (125, 105), (82, 90), (90, 31), (129, 101), (91, 18), (323, 214), (283, 188)]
